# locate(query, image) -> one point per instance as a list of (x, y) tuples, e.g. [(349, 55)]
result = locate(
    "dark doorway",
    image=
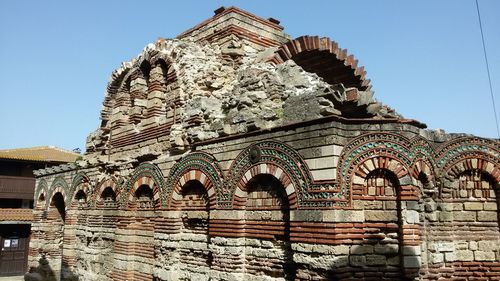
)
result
[(14, 246)]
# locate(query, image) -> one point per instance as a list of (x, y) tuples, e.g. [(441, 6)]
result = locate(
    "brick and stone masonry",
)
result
[(234, 152)]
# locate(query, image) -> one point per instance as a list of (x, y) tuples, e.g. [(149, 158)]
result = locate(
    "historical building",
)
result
[(234, 152), (17, 185)]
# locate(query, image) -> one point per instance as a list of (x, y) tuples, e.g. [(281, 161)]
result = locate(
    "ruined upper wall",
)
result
[(231, 74), (227, 22)]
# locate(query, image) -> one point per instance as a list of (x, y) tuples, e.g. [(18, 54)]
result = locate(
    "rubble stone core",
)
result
[(233, 152)]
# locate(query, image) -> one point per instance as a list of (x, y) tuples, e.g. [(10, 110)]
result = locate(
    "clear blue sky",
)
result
[(424, 57)]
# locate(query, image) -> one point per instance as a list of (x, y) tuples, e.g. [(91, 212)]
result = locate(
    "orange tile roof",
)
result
[(39, 153), (16, 214)]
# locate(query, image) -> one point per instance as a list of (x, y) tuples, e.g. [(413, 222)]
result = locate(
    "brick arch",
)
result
[(423, 161), (274, 155), (306, 51), (279, 173), (471, 163), (42, 188), (59, 189), (474, 163), (59, 185), (101, 186), (367, 152), (385, 163), (80, 182), (193, 175), (198, 166), (145, 174), (117, 79)]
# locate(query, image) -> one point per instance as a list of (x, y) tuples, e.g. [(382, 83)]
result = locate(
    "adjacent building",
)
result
[(17, 185)]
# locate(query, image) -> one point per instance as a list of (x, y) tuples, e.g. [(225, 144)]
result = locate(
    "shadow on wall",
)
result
[(376, 262), (43, 272)]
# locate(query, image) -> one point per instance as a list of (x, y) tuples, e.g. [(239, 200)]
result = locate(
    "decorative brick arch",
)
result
[(385, 163), (452, 152), (197, 166), (368, 152), (275, 157), (59, 185), (111, 182), (423, 161), (306, 51), (80, 182), (264, 169), (145, 174), (41, 189), (480, 164)]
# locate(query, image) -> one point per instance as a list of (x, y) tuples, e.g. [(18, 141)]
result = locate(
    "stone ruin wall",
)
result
[(234, 160)]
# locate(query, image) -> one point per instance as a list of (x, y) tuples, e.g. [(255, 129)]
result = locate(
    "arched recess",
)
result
[(376, 168), (145, 174), (286, 163), (104, 225), (38, 231), (325, 58), (41, 193), (194, 186), (140, 201), (163, 90), (194, 204), (59, 184), (382, 186), (139, 91), (471, 189), (56, 217), (77, 223), (122, 104), (197, 166), (106, 194), (266, 201), (117, 82)]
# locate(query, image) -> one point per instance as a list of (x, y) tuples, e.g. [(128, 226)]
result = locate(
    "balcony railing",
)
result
[(17, 187), (7, 215)]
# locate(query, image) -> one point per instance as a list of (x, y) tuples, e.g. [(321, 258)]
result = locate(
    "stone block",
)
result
[(367, 205), (488, 245), (412, 216), (484, 255), (444, 247), (357, 261), (473, 206), (306, 215), (450, 257), (446, 216), (375, 260), (413, 205), (381, 216), (361, 249), (473, 245), (464, 255), (326, 174), (412, 250), (386, 249), (436, 258), (343, 216), (412, 261), (464, 216), (490, 206), (487, 216), (390, 205)]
